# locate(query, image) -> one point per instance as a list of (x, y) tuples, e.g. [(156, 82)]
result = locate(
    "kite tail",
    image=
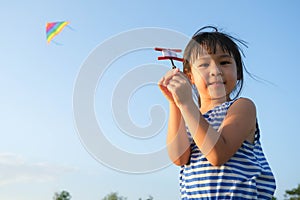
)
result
[(57, 43), (70, 27)]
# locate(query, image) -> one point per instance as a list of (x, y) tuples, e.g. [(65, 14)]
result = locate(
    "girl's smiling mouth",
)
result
[(216, 83)]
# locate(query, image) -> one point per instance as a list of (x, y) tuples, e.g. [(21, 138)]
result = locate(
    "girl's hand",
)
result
[(163, 83), (176, 86)]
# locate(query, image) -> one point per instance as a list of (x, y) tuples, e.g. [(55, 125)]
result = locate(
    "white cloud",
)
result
[(16, 169)]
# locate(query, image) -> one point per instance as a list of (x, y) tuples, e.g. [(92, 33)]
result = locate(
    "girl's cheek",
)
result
[(201, 79)]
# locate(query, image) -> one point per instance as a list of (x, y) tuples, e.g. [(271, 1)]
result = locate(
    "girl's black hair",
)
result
[(209, 41)]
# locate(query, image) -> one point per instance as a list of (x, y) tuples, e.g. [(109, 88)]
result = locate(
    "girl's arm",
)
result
[(219, 146), (177, 141)]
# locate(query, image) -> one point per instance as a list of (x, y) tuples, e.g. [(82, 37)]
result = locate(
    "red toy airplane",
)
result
[(170, 54)]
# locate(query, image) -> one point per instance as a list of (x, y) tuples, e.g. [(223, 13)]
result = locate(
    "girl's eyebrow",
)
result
[(225, 56), (217, 55)]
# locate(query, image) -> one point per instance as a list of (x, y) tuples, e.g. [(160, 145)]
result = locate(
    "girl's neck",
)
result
[(208, 104)]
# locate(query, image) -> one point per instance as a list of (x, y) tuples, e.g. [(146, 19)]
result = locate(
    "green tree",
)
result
[(114, 196), (63, 195), (293, 194), (149, 198)]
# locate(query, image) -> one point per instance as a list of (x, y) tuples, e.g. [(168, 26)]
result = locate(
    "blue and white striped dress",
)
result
[(246, 175)]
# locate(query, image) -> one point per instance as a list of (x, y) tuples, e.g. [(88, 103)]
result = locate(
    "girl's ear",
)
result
[(190, 76)]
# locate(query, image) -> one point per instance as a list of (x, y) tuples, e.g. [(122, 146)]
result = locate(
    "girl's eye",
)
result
[(224, 62), (204, 65)]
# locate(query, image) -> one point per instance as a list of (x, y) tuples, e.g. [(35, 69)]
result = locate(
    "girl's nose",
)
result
[(215, 70)]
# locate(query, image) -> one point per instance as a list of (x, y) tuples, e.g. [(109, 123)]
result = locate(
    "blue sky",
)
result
[(40, 149)]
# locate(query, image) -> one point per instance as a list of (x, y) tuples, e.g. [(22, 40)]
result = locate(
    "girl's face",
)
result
[(215, 75)]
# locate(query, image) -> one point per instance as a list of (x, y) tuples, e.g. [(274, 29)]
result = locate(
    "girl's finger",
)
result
[(160, 82), (176, 70)]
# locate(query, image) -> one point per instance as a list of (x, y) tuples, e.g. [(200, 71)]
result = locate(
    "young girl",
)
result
[(216, 142)]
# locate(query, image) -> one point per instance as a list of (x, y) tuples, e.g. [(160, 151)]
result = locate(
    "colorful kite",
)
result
[(170, 54), (54, 28)]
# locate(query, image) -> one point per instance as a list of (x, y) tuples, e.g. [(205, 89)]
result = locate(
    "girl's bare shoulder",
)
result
[(243, 104)]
